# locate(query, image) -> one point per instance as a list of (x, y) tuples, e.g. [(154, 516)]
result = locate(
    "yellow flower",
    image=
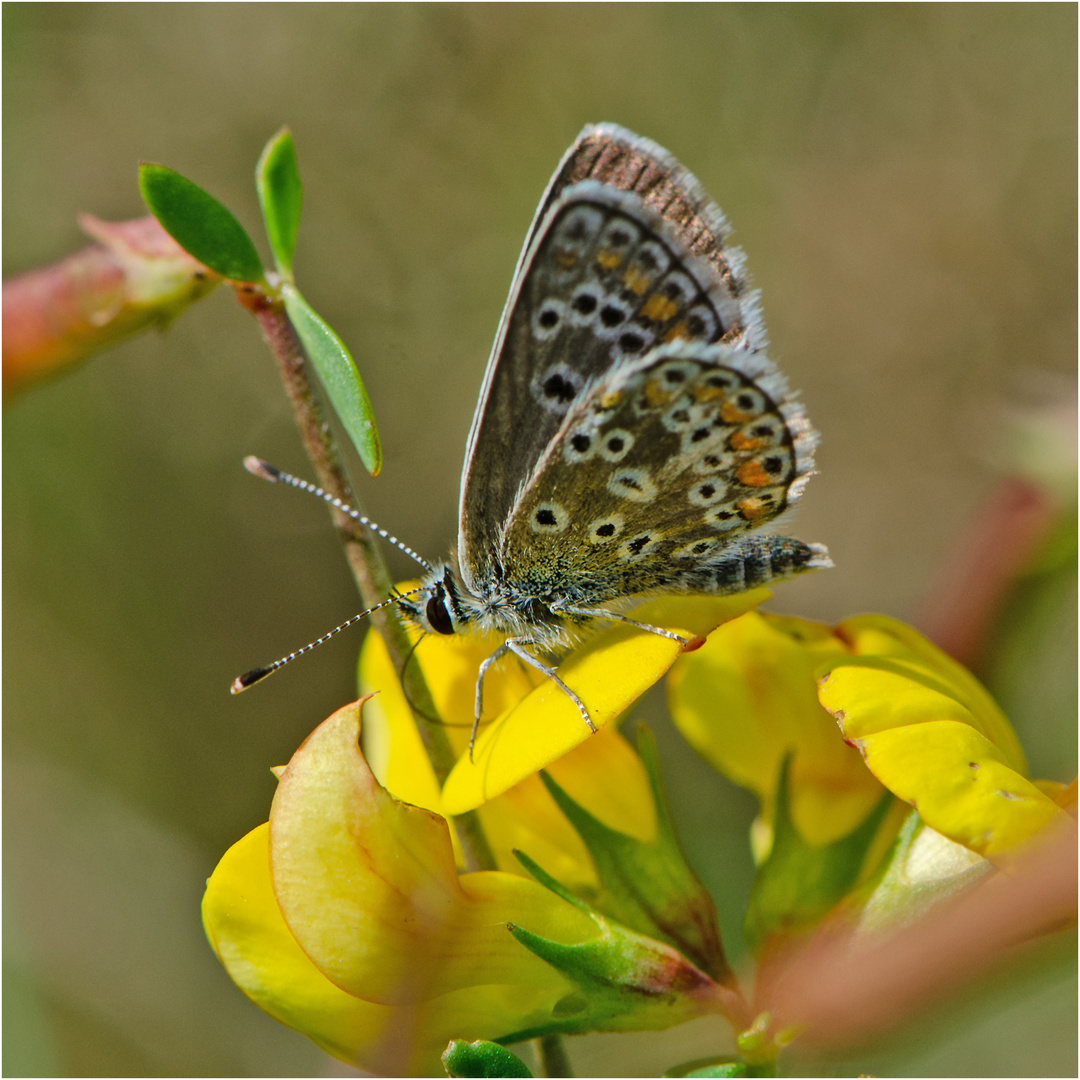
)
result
[(748, 700), (535, 727), (345, 918), (930, 732), (762, 701)]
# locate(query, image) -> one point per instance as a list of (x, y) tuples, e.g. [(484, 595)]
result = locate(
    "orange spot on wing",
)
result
[(610, 399), (732, 415), (708, 393), (753, 509), (566, 259), (679, 330), (608, 260), (655, 394), (659, 308), (751, 474), (636, 281), (741, 441)]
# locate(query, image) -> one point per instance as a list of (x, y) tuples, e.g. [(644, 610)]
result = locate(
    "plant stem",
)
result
[(365, 561), (554, 1060)]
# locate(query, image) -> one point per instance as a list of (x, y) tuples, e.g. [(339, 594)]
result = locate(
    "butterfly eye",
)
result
[(437, 615)]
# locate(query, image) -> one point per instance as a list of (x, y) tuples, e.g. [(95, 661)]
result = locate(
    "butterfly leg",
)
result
[(614, 616), (494, 658), (515, 645)]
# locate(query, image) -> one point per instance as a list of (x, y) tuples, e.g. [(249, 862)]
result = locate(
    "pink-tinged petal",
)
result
[(368, 885), (249, 935), (359, 876), (247, 931)]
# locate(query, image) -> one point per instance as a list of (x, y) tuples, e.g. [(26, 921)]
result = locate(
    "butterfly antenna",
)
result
[(405, 685), (250, 678), (257, 467)]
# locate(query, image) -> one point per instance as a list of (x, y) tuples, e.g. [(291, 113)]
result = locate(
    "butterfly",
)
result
[(631, 436)]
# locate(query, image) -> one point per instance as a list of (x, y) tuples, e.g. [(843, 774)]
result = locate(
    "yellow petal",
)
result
[(603, 774), (250, 936), (929, 749), (450, 665), (368, 886), (749, 698), (888, 639), (609, 673)]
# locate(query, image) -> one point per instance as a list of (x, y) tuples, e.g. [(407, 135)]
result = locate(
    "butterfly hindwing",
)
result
[(655, 473)]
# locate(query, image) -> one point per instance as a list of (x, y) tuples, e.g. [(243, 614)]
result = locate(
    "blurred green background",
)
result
[(903, 179)]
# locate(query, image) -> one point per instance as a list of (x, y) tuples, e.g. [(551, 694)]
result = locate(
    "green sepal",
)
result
[(799, 883), (338, 375), (200, 224), (712, 1067), (622, 980), (281, 195), (649, 887), (922, 868), (481, 1058)]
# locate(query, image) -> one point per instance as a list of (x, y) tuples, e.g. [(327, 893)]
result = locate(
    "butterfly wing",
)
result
[(626, 252), (655, 474)]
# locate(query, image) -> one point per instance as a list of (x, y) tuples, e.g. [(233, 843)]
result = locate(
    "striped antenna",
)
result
[(257, 467), (250, 678)]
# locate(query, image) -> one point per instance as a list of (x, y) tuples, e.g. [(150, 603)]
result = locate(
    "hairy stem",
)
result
[(365, 561)]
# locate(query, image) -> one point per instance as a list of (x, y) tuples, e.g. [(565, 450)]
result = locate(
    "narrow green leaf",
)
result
[(339, 377), (623, 982), (281, 195), (199, 223), (548, 881), (481, 1058)]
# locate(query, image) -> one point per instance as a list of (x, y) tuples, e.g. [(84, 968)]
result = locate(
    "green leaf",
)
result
[(280, 195), (650, 887), (799, 883), (339, 377), (199, 223), (481, 1058)]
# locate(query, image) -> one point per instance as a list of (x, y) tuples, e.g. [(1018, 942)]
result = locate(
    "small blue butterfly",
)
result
[(631, 435)]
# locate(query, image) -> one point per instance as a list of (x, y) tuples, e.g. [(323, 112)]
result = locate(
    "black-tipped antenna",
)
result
[(250, 678), (257, 467)]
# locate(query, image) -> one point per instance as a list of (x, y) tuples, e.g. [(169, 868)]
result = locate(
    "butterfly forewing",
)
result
[(607, 276), (623, 161)]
